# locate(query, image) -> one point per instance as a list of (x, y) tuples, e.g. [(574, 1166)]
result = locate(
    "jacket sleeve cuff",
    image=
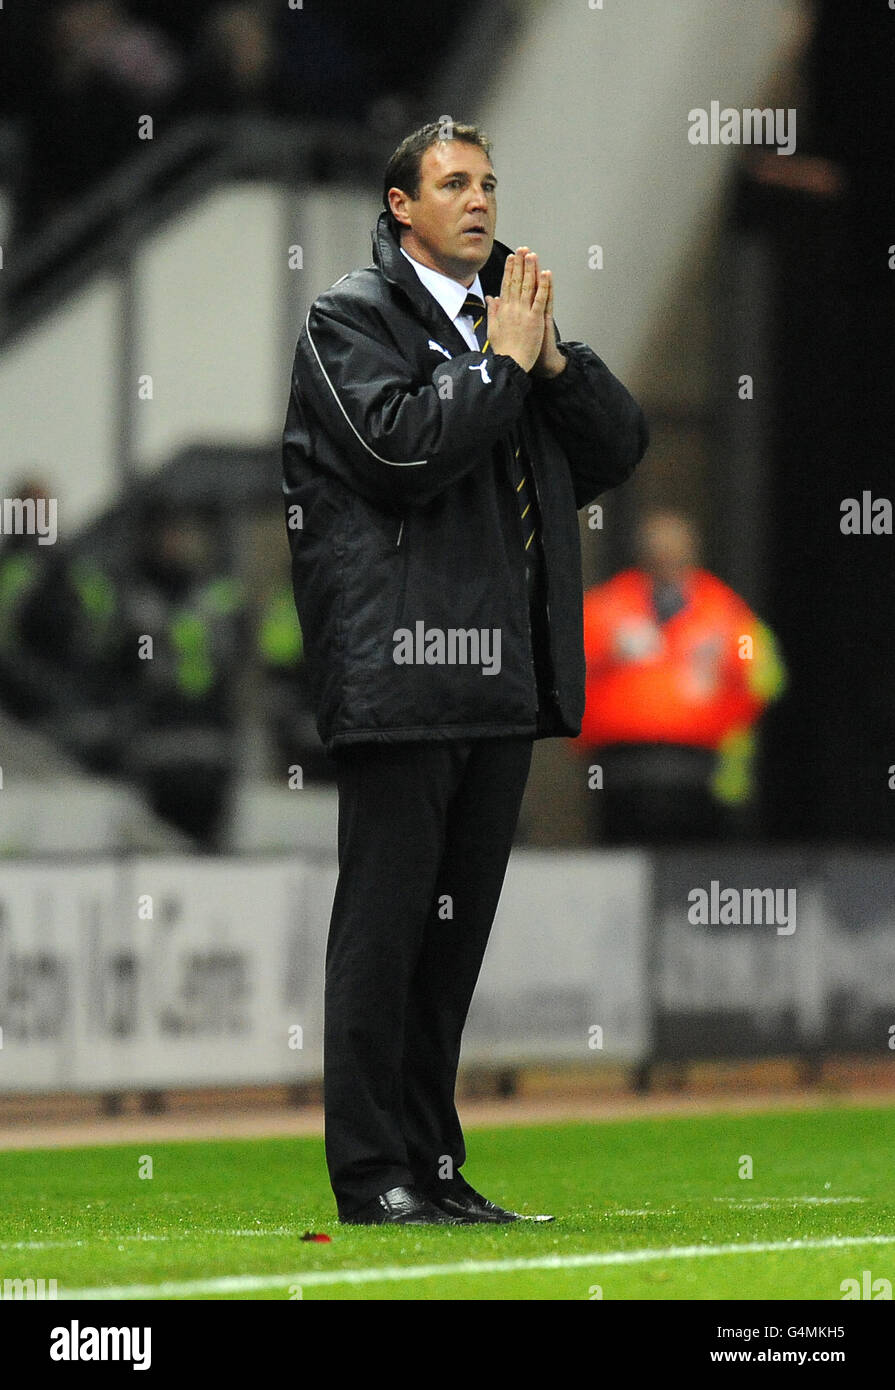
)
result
[(556, 384), (518, 375)]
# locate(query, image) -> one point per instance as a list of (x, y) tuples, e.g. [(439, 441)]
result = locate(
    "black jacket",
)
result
[(400, 511)]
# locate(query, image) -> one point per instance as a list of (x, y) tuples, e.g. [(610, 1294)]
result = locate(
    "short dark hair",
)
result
[(403, 169)]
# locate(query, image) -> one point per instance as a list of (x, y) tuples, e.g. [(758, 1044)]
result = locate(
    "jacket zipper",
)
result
[(554, 692), (402, 596), (531, 658)]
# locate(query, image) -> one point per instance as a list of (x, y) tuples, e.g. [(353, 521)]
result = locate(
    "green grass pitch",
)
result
[(645, 1209)]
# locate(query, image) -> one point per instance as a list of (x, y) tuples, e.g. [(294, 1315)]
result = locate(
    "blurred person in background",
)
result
[(678, 670), (33, 684), (285, 697), (62, 640), (181, 687), (80, 630), (263, 58), (236, 66), (100, 71)]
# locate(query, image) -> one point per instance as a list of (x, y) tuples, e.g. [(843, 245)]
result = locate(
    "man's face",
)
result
[(667, 546), (451, 223)]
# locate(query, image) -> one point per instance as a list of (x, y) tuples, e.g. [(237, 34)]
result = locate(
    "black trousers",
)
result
[(656, 794), (425, 833)]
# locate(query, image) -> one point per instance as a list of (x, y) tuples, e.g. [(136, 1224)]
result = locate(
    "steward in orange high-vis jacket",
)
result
[(678, 670)]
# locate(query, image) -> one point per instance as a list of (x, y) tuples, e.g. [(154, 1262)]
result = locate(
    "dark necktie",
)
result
[(519, 470), (668, 600)]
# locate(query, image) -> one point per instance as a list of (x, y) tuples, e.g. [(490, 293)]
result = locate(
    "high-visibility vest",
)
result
[(191, 632), (709, 670), (20, 573), (97, 604), (280, 641)]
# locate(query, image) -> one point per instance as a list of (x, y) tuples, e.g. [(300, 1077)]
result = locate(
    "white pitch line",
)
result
[(252, 1283), (737, 1203), (73, 1244), (789, 1201)]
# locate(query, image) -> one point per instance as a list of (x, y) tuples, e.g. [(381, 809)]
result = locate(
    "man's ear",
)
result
[(397, 201)]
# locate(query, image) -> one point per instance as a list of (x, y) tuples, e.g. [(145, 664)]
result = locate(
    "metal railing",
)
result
[(105, 227)]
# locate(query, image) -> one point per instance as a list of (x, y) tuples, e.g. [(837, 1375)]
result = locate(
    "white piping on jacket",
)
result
[(393, 463)]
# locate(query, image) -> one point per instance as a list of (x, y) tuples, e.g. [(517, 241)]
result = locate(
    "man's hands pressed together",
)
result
[(520, 321)]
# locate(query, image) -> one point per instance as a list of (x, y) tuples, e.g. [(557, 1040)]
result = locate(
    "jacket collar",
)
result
[(399, 272)]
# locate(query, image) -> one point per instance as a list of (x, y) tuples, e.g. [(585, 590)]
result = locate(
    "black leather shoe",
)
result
[(457, 1198), (403, 1206)]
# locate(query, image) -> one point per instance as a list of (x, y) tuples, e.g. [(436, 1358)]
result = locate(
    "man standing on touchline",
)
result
[(439, 441)]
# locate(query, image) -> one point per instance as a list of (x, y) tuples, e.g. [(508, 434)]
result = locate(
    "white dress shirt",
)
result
[(450, 295)]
